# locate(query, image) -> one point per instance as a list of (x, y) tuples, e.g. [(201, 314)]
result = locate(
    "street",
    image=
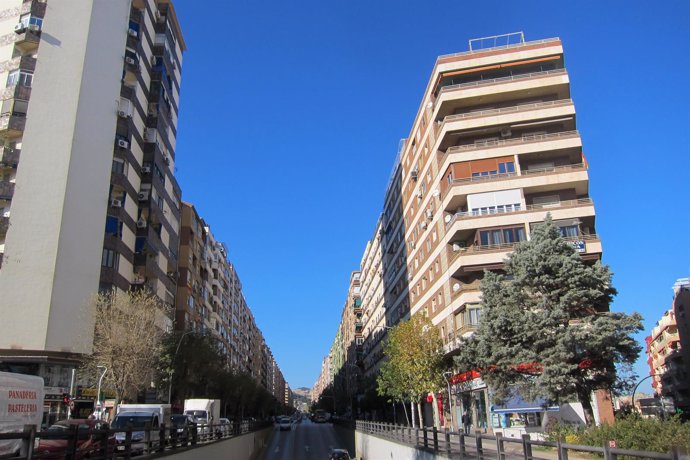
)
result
[(306, 441)]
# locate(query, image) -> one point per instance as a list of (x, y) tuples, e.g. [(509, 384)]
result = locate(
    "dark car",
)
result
[(339, 454), (181, 428), (88, 439)]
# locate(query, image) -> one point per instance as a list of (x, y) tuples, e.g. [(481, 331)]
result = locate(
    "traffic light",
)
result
[(66, 398)]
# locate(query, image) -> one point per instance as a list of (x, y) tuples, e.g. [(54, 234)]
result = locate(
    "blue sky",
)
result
[(291, 114)]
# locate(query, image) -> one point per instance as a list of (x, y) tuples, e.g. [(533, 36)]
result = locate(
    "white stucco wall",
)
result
[(53, 248)]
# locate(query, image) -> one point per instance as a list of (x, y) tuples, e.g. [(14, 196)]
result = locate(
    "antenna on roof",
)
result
[(497, 41)]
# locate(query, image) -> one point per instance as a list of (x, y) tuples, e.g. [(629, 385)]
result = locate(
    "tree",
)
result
[(128, 336), (546, 329), (415, 363)]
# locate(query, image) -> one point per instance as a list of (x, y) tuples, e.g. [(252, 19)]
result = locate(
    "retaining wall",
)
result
[(243, 447)]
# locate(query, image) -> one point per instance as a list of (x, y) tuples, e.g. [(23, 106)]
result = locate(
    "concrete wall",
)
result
[(245, 447), (370, 447)]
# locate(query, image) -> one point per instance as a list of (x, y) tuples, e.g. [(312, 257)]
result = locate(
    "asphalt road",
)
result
[(305, 441)]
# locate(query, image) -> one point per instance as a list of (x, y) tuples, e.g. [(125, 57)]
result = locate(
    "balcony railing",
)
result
[(511, 78), (529, 208), (528, 139), (483, 50), (511, 109)]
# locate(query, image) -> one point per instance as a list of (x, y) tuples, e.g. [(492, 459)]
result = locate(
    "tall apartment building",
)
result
[(88, 196), (668, 349), (493, 149)]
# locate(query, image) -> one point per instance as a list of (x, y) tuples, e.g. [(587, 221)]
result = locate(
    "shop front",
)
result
[(471, 408), (515, 417)]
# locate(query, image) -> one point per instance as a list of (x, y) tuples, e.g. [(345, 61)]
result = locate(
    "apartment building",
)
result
[(493, 149), (668, 350), (209, 300), (88, 196)]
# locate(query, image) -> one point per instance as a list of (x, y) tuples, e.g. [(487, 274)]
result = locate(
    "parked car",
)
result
[(285, 424), (181, 428), (88, 439), (339, 454), (224, 427)]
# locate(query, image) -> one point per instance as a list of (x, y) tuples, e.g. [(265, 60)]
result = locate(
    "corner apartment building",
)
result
[(668, 349), (493, 149), (88, 196)]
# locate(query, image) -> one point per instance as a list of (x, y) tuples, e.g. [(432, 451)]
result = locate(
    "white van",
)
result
[(140, 417), (21, 403)]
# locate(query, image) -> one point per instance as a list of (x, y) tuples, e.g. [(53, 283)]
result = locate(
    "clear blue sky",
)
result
[(291, 114)]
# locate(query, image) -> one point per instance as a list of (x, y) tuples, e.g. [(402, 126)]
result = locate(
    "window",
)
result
[(507, 167), (20, 77), (569, 231), (113, 226), (501, 236), (474, 313), (28, 20), (118, 166), (110, 258)]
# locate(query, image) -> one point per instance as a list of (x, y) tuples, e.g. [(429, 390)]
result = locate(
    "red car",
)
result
[(88, 442)]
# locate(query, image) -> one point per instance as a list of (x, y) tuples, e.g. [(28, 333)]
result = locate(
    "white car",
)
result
[(285, 424)]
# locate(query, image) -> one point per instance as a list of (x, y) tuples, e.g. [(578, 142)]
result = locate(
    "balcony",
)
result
[(27, 39), (6, 190), (4, 224), (496, 215), (502, 116), (9, 157), (501, 80), (527, 139)]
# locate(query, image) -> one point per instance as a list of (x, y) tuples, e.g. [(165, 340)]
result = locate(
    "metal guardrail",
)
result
[(492, 48), (512, 141), (482, 446), (493, 81), (509, 109), (103, 444)]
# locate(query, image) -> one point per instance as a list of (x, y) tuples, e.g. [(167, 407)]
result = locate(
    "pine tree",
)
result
[(546, 329)]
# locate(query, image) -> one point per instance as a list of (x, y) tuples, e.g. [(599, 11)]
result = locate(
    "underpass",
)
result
[(305, 441)]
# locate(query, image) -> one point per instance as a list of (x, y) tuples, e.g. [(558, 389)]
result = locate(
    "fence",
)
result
[(482, 446), (78, 442)]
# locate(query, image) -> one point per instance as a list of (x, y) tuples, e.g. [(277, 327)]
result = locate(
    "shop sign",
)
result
[(58, 391), (470, 385)]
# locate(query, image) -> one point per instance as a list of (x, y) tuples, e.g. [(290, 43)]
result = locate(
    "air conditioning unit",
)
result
[(34, 27), (141, 223), (424, 225), (20, 28), (166, 159), (151, 135), (458, 246), (122, 143), (115, 203), (132, 33), (506, 132), (143, 195), (419, 194), (158, 15), (429, 214), (414, 174), (146, 169), (130, 60)]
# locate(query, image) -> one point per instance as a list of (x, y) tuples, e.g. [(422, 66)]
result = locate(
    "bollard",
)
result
[(526, 447), (435, 437), (478, 442)]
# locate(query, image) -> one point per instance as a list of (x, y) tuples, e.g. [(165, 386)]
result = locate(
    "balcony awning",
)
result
[(516, 404)]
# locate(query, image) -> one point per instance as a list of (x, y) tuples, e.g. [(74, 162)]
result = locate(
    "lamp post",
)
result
[(635, 389), (172, 361), (98, 391), (450, 401)]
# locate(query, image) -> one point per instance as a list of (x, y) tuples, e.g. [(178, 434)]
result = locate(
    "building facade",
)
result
[(88, 196), (668, 350), (493, 149)]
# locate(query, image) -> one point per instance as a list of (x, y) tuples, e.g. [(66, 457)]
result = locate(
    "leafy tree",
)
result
[(546, 329), (415, 363), (128, 338)]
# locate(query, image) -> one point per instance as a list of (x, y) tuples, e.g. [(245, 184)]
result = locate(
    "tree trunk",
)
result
[(421, 416), (437, 418), (414, 423), (586, 402), (407, 418)]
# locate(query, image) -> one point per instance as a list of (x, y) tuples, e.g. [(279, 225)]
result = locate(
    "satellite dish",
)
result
[(456, 287)]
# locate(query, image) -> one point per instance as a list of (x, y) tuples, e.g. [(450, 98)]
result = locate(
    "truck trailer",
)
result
[(21, 403)]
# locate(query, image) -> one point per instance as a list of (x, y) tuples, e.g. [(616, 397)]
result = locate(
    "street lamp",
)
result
[(635, 389), (172, 361), (450, 401), (98, 392)]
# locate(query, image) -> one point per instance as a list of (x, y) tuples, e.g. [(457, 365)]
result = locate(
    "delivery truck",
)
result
[(21, 403), (206, 413), (141, 418)]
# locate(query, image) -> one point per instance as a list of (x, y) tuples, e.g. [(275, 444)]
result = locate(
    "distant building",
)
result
[(668, 349)]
